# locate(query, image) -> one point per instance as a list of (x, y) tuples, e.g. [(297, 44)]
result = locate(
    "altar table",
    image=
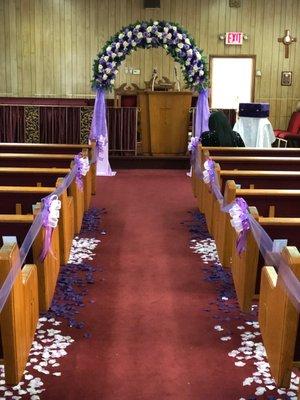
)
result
[(255, 132)]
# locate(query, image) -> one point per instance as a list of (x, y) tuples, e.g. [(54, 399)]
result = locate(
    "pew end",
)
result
[(279, 320), (19, 315)]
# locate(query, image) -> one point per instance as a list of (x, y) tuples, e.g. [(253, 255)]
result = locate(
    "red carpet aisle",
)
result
[(151, 338)]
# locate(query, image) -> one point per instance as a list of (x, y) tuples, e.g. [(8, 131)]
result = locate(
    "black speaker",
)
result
[(151, 3)]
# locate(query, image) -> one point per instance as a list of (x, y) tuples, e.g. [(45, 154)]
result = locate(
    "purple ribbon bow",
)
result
[(240, 221), (50, 216)]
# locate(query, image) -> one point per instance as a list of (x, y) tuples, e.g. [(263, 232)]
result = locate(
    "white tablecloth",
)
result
[(255, 132)]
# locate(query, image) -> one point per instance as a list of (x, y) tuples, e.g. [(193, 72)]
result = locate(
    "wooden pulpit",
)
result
[(164, 122)]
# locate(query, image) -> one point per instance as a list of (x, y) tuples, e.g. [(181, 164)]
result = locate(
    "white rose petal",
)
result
[(108, 48), (104, 77), (187, 41), (121, 35), (149, 29)]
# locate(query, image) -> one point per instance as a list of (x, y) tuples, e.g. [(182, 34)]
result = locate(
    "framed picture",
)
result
[(286, 78)]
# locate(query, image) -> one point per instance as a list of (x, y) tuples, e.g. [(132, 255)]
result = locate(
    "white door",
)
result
[(232, 81)]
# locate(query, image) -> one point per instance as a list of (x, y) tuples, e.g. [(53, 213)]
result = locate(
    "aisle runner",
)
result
[(50, 344), (229, 322)]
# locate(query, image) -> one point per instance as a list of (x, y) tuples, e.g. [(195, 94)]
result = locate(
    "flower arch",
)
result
[(146, 34)]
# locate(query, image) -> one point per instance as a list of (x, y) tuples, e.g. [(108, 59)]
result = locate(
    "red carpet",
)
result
[(150, 337)]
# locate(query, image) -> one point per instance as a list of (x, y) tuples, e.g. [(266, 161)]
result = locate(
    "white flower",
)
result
[(189, 52), (133, 43), (148, 40), (198, 55), (125, 44), (149, 28), (120, 54), (107, 70), (112, 81), (179, 35), (195, 68), (166, 46), (201, 72), (104, 77), (174, 28), (177, 50), (113, 55), (166, 29), (105, 58), (155, 23), (117, 45), (100, 67), (113, 64), (159, 34), (137, 26), (187, 41), (140, 35), (169, 36), (108, 48), (129, 34), (180, 45), (187, 62), (121, 35)]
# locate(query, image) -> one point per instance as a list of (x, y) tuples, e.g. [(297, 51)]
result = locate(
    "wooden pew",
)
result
[(47, 148), (48, 269), (269, 202), (46, 177), (250, 179), (249, 151), (241, 151), (19, 200), (262, 163), (246, 268), (31, 160), (19, 317), (279, 320)]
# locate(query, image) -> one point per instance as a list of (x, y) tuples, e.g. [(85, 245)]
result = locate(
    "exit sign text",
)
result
[(234, 38)]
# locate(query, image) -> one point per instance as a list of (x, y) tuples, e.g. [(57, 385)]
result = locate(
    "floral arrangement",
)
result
[(168, 35)]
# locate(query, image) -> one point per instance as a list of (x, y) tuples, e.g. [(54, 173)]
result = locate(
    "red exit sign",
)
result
[(234, 38)]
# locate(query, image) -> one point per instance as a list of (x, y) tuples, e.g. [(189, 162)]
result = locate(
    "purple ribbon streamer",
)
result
[(99, 124), (202, 114), (213, 180), (46, 201), (78, 168), (244, 219)]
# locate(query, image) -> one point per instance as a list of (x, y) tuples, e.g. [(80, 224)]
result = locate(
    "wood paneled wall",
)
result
[(47, 46)]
